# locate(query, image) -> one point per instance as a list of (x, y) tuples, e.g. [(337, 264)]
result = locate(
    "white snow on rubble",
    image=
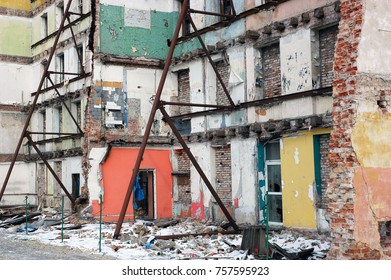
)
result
[(138, 241)]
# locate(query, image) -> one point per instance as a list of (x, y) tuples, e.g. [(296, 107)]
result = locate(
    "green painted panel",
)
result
[(118, 39)]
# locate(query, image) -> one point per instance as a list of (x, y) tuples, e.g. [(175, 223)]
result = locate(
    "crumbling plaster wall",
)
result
[(245, 180), (360, 176)]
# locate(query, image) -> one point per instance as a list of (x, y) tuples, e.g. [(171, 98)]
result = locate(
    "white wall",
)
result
[(11, 125), (245, 180), (19, 184), (205, 156), (296, 62), (17, 83), (374, 53)]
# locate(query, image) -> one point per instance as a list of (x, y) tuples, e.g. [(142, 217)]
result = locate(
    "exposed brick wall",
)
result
[(223, 175), (271, 70), (324, 167), (184, 90), (184, 191), (327, 40), (342, 157), (224, 70)]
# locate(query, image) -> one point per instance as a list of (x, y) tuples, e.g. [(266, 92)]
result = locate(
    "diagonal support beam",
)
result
[(35, 100), (193, 160), (49, 167), (155, 107), (211, 60), (66, 106)]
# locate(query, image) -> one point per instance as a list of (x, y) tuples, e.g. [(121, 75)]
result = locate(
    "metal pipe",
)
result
[(50, 168), (155, 107), (198, 167), (30, 114), (211, 61)]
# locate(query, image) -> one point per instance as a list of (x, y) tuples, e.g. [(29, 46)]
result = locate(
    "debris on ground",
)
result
[(161, 239)]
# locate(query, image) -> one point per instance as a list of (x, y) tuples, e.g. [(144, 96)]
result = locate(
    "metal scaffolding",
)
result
[(227, 16), (47, 76)]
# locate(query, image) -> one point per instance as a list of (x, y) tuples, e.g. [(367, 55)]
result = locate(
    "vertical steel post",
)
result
[(155, 107), (100, 222), (30, 114), (62, 218)]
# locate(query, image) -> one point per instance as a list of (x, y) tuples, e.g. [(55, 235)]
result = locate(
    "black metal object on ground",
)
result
[(254, 241)]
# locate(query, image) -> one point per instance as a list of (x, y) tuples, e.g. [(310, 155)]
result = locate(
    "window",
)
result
[(43, 65), (60, 67), (80, 6), (226, 7), (59, 13), (57, 119), (273, 181), (42, 123), (44, 25), (80, 59)]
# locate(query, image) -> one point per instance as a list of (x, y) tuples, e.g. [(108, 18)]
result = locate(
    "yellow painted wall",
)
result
[(16, 4), (298, 176), (15, 36)]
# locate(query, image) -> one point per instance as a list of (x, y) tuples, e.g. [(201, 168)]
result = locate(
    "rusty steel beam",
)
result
[(198, 167), (194, 104), (155, 107), (30, 114), (211, 60), (209, 13), (74, 41), (54, 133), (30, 140), (66, 106)]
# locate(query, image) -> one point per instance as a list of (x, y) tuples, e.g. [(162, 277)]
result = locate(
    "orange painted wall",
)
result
[(117, 171), (372, 203)]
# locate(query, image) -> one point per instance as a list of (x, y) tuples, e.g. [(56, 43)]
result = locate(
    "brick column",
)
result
[(342, 157)]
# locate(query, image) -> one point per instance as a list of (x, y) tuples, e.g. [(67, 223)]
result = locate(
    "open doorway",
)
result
[(75, 185), (145, 206)]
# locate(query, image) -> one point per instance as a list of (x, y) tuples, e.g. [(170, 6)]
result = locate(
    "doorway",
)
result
[(145, 208), (75, 185)]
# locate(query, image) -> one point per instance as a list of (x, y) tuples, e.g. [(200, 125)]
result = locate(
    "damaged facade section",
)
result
[(297, 149)]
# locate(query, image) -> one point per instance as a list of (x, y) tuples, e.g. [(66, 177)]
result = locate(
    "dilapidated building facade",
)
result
[(291, 145)]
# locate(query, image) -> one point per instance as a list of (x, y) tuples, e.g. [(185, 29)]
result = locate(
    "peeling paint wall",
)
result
[(126, 29), (297, 69), (244, 180), (298, 176), (360, 177)]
